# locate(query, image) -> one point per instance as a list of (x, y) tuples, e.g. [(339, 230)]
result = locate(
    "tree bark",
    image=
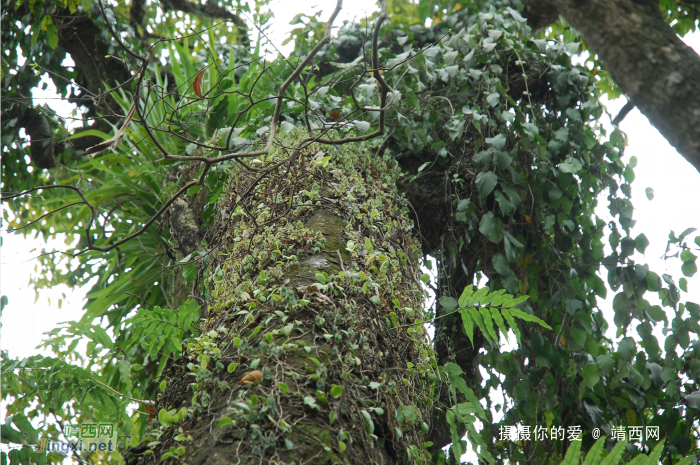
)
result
[(272, 309), (645, 57)]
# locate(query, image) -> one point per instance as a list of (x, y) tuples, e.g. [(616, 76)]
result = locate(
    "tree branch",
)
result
[(208, 10), (649, 62), (42, 144)]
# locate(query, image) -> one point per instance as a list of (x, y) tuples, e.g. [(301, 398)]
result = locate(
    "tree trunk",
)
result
[(646, 58), (313, 285)]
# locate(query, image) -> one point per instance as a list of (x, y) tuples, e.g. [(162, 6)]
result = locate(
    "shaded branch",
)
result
[(208, 10), (43, 146), (646, 58), (629, 106)]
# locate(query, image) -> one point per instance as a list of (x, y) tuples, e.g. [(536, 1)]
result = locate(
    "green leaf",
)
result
[(571, 165), (572, 454), (615, 454), (425, 277), (627, 349), (189, 272), (689, 268), (511, 322), (485, 182), (488, 323), (164, 418), (225, 421), (454, 372), (593, 456), (500, 264), (311, 403), (496, 315), (52, 36), (336, 391), (499, 141), (641, 243), (468, 324), (3, 302), (479, 320), (449, 304), (413, 100), (517, 313), (466, 294), (163, 385), (321, 279), (369, 424), (590, 375), (25, 427), (368, 245), (649, 192)]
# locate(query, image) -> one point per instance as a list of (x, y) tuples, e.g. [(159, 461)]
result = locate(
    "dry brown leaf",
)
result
[(253, 376)]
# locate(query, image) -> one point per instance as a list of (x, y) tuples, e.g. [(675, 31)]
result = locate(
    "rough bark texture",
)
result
[(433, 211), (80, 36), (272, 309), (43, 145), (646, 58), (184, 226)]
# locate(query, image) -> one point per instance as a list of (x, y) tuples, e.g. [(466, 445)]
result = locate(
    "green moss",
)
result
[(312, 264)]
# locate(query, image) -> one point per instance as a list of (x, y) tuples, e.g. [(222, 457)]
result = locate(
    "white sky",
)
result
[(674, 207)]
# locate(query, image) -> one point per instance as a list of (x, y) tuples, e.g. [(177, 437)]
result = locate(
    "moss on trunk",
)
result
[(313, 290)]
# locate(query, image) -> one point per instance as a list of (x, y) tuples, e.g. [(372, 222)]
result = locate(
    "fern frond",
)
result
[(573, 454), (492, 313), (594, 454), (615, 454)]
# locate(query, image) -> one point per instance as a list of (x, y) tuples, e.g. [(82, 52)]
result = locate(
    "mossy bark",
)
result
[(314, 349), (645, 57)]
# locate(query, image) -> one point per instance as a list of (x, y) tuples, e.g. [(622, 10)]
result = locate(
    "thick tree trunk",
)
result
[(645, 57), (313, 282)]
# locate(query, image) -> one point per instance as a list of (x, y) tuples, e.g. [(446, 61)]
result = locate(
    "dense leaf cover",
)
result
[(507, 119)]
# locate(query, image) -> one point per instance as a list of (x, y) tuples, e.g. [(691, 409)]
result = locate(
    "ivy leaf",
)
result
[(311, 403), (336, 391), (501, 264), (413, 100), (498, 141), (641, 243), (689, 268), (627, 349), (485, 182), (590, 375), (571, 165), (693, 400), (448, 303)]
